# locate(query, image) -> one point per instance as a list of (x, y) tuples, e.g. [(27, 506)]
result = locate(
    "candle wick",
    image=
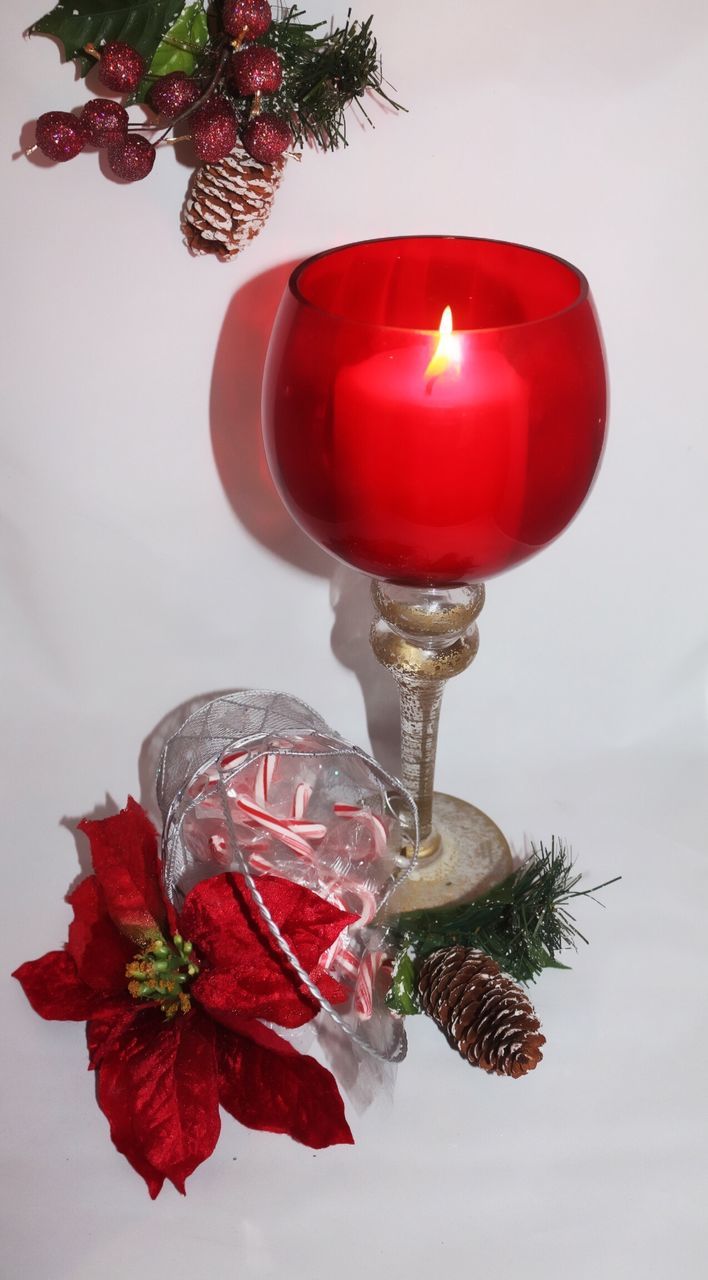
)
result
[(430, 384)]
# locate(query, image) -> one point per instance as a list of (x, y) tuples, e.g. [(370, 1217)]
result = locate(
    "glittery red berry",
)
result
[(173, 94), (266, 137), (60, 135), (104, 122), (214, 130), (249, 19), (256, 69), (132, 158), (121, 67)]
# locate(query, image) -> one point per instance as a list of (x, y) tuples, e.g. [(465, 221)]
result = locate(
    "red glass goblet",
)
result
[(434, 412)]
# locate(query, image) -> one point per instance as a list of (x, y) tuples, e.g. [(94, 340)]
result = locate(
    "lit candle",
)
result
[(429, 450)]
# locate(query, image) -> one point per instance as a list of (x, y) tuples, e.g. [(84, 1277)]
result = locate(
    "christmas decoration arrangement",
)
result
[(247, 84), (269, 901)]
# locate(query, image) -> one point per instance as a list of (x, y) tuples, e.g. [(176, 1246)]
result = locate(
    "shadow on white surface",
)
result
[(350, 596), (83, 853), (235, 421), (237, 442)]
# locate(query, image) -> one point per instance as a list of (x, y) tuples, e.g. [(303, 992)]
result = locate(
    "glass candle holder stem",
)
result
[(424, 636)]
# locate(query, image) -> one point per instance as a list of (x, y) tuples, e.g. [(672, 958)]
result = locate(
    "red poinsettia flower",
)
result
[(173, 1003)]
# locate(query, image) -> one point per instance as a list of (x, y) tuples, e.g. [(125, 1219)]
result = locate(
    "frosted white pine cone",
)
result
[(229, 203)]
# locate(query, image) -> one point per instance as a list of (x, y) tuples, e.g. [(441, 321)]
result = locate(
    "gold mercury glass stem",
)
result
[(424, 636)]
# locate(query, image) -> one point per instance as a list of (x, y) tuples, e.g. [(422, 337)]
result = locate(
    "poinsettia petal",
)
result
[(124, 852), (264, 989), (223, 921), (55, 990), (267, 1084), (158, 1088), (244, 972), (330, 988), (99, 950), (105, 1028)]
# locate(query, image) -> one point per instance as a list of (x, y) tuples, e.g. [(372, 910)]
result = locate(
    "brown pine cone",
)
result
[(484, 1015), (229, 202)]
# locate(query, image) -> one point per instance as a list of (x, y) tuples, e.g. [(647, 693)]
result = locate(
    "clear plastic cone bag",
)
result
[(256, 783)]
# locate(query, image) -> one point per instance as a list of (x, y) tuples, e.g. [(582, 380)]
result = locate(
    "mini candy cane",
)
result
[(290, 831), (298, 826), (220, 853), (372, 822), (339, 955), (365, 983), (301, 799), (264, 777), (227, 761), (258, 863)]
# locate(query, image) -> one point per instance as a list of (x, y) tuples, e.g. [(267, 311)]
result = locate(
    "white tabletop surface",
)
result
[(146, 561)]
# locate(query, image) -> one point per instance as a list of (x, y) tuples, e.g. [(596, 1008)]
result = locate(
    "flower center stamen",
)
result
[(161, 973)]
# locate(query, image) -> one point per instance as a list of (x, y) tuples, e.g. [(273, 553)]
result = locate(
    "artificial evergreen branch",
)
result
[(326, 74), (523, 924)]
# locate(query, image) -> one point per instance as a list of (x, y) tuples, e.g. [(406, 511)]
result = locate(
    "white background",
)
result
[(146, 561)]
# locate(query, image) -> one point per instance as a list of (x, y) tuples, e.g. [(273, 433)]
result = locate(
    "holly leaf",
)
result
[(401, 996), (179, 47), (76, 23)]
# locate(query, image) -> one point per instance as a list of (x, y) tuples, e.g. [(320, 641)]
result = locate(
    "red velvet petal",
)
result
[(99, 950), (243, 971), (266, 1084), (330, 988), (222, 920), (105, 1029), (158, 1089), (55, 990), (124, 851), (258, 990)]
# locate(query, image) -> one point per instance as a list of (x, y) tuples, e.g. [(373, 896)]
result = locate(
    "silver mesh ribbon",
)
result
[(243, 728)]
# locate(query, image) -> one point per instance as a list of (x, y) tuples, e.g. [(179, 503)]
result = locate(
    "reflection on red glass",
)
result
[(434, 451)]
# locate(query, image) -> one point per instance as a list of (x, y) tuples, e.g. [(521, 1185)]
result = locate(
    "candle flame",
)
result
[(448, 350)]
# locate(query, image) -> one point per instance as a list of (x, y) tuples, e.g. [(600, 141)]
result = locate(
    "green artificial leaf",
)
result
[(402, 995), (140, 23), (179, 48)]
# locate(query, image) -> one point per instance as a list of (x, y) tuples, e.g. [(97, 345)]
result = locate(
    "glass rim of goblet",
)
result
[(294, 284)]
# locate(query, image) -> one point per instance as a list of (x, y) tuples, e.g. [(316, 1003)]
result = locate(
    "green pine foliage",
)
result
[(525, 923), (326, 71)]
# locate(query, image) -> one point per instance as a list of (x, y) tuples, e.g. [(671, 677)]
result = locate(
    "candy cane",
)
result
[(217, 844), (259, 863), (278, 827), (227, 761), (301, 799), (264, 778), (365, 983)]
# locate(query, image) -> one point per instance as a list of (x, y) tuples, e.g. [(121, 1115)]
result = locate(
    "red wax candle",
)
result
[(440, 449), (434, 461)]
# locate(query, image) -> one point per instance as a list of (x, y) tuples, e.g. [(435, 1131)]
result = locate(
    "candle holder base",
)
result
[(473, 856)]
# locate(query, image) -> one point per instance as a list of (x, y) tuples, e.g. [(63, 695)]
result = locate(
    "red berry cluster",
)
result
[(251, 70), (103, 122)]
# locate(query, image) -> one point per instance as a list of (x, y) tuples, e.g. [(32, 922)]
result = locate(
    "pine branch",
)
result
[(325, 74), (524, 923)]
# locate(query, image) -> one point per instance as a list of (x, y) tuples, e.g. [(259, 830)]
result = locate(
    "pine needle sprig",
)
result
[(524, 923), (325, 74)]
